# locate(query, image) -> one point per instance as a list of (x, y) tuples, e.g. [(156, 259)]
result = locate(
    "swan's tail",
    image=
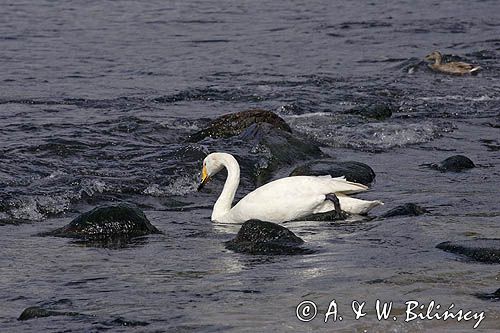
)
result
[(357, 206), (349, 205)]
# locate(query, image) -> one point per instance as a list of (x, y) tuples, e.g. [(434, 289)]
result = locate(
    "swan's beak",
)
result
[(204, 178)]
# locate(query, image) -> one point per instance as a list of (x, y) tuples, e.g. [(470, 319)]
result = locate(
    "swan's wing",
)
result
[(341, 185), (306, 186), (323, 184)]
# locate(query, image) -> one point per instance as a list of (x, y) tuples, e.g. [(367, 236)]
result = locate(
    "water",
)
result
[(96, 99)]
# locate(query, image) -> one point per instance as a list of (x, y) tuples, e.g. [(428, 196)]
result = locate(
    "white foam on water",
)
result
[(308, 115), (92, 186), (37, 207), (374, 135), (481, 98), (28, 210), (180, 124), (182, 185), (153, 190)]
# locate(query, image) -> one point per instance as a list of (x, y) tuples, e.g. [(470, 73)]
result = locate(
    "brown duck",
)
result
[(455, 67)]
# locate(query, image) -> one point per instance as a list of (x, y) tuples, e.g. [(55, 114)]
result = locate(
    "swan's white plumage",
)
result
[(285, 199)]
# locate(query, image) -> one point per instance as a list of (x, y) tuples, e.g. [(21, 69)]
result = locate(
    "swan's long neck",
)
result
[(223, 204)]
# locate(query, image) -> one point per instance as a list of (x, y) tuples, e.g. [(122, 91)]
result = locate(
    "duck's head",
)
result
[(212, 164), (436, 56)]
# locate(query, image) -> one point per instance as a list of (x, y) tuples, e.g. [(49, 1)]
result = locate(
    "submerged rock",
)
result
[(39, 312), (279, 148), (121, 221), (332, 215), (494, 296), (125, 322), (454, 163), (374, 111), (235, 123), (263, 149), (408, 209), (261, 237), (481, 249), (353, 171)]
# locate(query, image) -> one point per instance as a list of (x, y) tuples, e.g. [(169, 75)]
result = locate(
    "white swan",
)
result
[(282, 200)]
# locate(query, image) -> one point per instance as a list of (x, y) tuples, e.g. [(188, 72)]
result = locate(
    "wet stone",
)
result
[(327, 216), (353, 171), (481, 249), (120, 221), (454, 163), (261, 237), (408, 209), (494, 296), (276, 149), (235, 123), (125, 322), (374, 111), (39, 312)]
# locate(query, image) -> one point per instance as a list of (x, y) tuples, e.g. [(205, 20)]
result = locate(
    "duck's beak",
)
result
[(204, 178)]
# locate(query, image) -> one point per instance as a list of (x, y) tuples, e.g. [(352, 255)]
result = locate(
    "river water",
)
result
[(97, 97)]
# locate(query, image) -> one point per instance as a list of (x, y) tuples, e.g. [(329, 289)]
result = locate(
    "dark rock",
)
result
[(374, 111), (260, 237), (235, 123), (327, 216), (454, 163), (264, 143), (408, 209), (121, 221), (481, 249), (276, 148), (494, 296), (125, 322), (353, 171), (38, 312)]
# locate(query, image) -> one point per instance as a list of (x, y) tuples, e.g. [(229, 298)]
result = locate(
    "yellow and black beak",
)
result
[(204, 178)]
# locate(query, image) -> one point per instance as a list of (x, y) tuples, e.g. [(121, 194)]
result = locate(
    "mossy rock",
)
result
[(261, 237), (39, 312), (235, 123), (107, 223)]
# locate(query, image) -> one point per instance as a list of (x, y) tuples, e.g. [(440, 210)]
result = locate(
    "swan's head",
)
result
[(436, 55), (211, 165)]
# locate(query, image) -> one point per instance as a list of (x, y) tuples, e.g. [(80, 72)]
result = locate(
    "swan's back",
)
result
[(310, 184)]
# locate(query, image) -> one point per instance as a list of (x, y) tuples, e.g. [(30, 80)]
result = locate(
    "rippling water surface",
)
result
[(98, 97)]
